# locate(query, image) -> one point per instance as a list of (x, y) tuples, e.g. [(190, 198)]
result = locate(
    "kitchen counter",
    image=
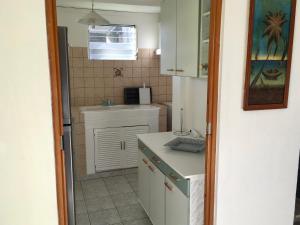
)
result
[(188, 165)]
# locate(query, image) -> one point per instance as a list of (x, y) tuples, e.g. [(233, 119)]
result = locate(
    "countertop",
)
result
[(188, 165)]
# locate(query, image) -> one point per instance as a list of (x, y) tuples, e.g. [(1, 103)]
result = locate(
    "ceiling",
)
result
[(145, 6)]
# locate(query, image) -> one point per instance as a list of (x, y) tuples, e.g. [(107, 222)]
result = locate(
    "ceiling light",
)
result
[(93, 18)]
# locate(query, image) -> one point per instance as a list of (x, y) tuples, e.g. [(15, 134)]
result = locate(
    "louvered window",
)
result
[(114, 42)]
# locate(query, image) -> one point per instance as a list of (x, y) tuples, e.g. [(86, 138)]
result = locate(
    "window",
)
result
[(114, 42)]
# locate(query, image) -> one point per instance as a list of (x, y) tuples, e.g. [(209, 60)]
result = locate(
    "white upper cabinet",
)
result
[(187, 37), (168, 39), (184, 42)]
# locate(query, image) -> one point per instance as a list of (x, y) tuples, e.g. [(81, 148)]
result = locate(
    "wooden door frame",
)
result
[(53, 54), (212, 110)]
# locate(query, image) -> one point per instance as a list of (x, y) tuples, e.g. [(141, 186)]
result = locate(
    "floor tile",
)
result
[(80, 207), (131, 170), (78, 194), (115, 180), (125, 199), (82, 219), (138, 222), (92, 183), (92, 192), (131, 177), (98, 204), (105, 217), (119, 188), (131, 212), (134, 185)]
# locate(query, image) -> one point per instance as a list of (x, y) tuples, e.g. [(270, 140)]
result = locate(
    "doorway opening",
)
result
[(103, 191)]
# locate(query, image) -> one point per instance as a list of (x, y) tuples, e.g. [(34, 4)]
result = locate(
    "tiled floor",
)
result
[(109, 199)]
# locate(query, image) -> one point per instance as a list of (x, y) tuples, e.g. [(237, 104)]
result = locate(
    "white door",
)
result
[(131, 145), (108, 152), (143, 182), (187, 37), (157, 196), (168, 37), (177, 205)]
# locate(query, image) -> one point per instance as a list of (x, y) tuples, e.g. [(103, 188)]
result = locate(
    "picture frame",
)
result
[(269, 54)]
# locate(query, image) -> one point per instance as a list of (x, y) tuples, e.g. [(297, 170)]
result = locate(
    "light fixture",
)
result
[(93, 18)]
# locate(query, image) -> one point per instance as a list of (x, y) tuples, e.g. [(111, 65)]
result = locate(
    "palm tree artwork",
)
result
[(268, 59)]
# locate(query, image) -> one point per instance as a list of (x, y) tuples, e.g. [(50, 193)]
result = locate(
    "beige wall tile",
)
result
[(98, 63), (145, 72), (127, 72), (162, 90), (154, 81), (108, 92), (137, 63), (118, 92), (78, 82), (154, 72), (89, 82), (144, 53), (108, 63), (77, 52), (162, 81), (98, 71), (99, 82), (77, 62), (108, 72), (88, 72), (89, 93), (88, 63), (78, 92), (128, 63), (119, 82), (137, 72), (108, 82), (99, 92)]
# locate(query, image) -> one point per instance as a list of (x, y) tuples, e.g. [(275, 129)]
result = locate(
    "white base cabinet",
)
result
[(177, 205), (117, 148), (167, 197)]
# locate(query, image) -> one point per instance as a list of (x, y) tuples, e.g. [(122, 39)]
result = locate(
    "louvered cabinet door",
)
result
[(131, 144), (108, 149)]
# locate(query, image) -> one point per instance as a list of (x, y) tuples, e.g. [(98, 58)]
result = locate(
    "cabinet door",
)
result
[(131, 145), (177, 205), (108, 153), (157, 196), (143, 182), (187, 37), (168, 37)]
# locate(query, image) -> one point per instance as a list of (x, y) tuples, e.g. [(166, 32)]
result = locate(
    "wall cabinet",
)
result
[(179, 37), (184, 37), (117, 148)]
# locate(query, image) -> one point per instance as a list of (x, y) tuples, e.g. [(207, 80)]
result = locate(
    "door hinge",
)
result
[(62, 143), (208, 129)]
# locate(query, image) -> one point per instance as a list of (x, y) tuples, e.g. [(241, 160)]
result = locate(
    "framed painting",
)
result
[(270, 44)]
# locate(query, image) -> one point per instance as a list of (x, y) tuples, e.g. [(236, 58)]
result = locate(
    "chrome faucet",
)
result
[(107, 102)]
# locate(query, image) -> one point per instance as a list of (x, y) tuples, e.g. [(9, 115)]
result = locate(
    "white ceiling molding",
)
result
[(140, 6)]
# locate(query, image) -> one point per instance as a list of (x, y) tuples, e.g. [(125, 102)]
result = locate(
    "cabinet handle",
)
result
[(156, 159), (170, 70), (151, 168), (181, 70), (168, 186), (121, 145), (174, 177), (124, 145), (145, 161), (204, 66)]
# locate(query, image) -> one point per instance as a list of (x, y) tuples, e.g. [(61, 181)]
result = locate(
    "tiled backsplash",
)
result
[(94, 81)]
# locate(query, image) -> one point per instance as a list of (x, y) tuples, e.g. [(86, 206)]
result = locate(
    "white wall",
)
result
[(146, 23), (27, 174), (191, 95), (257, 151)]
